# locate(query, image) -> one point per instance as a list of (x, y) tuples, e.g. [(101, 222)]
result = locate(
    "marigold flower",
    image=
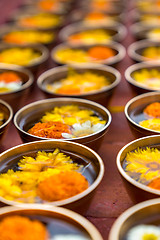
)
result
[(61, 186)]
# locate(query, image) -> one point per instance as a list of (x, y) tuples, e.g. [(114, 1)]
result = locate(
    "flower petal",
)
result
[(97, 127), (67, 135)]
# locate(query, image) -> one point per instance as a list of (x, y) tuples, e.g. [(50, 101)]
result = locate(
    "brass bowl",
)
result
[(65, 222), (141, 213), (116, 31), (101, 96), (35, 64), (15, 98), (8, 114), (93, 169), (118, 48), (135, 85), (141, 31), (137, 191), (134, 113), (136, 49), (30, 114)]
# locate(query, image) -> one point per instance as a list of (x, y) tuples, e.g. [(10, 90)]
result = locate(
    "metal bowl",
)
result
[(32, 113), (142, 213), (118, 48), (138, 192), (65, 222), (16, 97), (57, 74), (8, 114), (134, 113), (33, 66), (93, 169), (116, 31), (135, 51), (141, 31), (135, 85)]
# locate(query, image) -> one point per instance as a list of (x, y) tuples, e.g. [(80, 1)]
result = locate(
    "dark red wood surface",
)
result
[(111, 198)]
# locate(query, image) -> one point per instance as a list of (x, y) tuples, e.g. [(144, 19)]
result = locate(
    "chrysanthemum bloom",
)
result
[(61, 186), (18, 228)]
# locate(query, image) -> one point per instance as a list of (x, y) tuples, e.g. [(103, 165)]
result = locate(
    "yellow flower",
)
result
[(143, 164), (153, 124)]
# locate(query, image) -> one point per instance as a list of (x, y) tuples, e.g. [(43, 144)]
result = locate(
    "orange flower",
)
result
[(153, 110), (18, 228), (101, 52), (61, 186), (9, 77), (155, 184), (49, 129)]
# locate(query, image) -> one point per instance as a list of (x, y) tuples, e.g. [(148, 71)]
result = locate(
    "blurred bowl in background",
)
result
[(102, 95), (145, 51), (13, 34), (29, 56), (147, 212), (32, 113), (109, 54), (92, 169), (16, 97), (134, 112), (138, 191), (151, 33), (143, 77), (6, 114), (80, 33)]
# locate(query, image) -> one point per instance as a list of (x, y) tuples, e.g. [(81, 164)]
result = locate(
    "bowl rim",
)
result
[(138, 45), (126, 176), (112, 60), (85, 101), (10, 113), (75, 217), (144, 95), (137, 27), (70, 200), (65, 32), (41, 48), (115, 229), (136, 67), (17, 68), (64, 68)]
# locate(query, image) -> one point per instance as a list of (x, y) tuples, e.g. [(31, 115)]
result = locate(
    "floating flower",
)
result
[(155, 183), (153, 110), (20, 227), (90, 36), (28, 37), (61, 186), (1, 118), (148, 78), (19, 56), (144, 232), (67, 122), (152, 124), (84, 129), (151, 53), (154, 34), (9, 81), (79, 83), (143, 164)]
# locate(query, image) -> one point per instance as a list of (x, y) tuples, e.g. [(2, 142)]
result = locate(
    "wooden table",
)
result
[(111, 198)]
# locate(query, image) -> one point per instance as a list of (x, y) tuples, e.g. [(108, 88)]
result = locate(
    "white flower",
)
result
[(68, 237), (142, 232), (84, 129)]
